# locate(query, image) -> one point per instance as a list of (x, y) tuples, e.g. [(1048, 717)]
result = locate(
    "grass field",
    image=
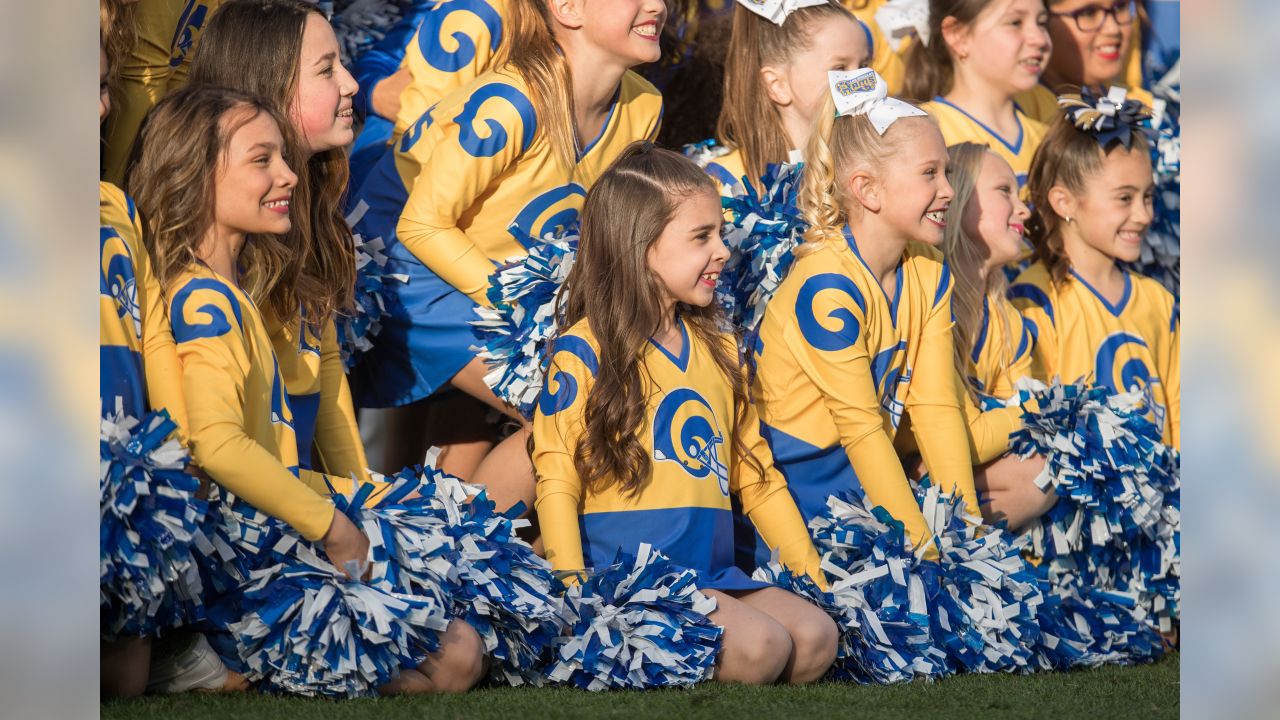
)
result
[(1149, 691)]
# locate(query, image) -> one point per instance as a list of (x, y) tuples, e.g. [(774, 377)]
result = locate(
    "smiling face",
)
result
[(1087, 58), (626, 29), (689, 254), (836, 42), (1115, 209), (995, 216), (321, 109), (914, 192), (1007, 45), (253, 183)]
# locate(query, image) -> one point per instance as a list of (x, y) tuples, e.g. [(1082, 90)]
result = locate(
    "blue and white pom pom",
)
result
[(882, 587), (360, 24), (639, 623), (372, 281), (150, 520), (501, 588), (704, 152), (762, 233), (1085, 625), (844, 610), (985, 610), (1161, 246), (310, 630), (514, 332)]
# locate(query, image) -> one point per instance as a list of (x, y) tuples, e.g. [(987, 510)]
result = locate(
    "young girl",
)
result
[(645, 427), (981, 55), (1092, 44), (214, 185), (494, 166), (775, 80), (985, 226), (285, 51), (1090, 319)]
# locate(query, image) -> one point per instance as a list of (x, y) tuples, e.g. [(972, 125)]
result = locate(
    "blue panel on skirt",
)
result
[(425, 340), (700, 539), (305, 409), (120, 375)]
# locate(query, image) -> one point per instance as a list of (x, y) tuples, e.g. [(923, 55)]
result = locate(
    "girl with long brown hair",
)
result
[(215, 186), (981, 54), (480, 176), (645, 428), (775, 79), (285, 51)]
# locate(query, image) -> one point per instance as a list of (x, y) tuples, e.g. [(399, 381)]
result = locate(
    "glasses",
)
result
[(1091, 18)]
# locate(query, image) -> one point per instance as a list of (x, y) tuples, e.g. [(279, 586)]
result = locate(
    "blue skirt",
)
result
[(425, 340)]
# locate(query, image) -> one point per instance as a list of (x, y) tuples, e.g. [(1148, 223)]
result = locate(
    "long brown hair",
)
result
[(255, 45), (930, 68), (181, 146), (534, 53), (1067, 157), (117, 35), (837, 147), (966, 257), (749, 121), (611, 286)]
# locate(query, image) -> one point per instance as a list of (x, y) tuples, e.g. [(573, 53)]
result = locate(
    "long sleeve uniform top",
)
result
[(839, 362), (683, 508), (958, 126), (1132, 345)]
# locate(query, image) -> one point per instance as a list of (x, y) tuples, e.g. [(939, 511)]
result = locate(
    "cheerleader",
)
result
[(477, 179), (645, 429), (980, 56), (285, 51), (774, 83), (218, 156)]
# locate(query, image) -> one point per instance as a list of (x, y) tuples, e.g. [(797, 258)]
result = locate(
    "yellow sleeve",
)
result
[(321, 484), (1173, 384), (557, 426), (160, 354), (337, 441), (766, 500), (988, 431), (1036, 308), (465, 161), (843, 376), (932, 399), (215, 364)]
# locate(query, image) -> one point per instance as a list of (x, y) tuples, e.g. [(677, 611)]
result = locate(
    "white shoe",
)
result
[(190, 664)]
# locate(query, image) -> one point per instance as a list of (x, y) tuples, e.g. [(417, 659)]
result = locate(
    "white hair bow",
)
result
[(776, 11), (864, 92), (900, 19)]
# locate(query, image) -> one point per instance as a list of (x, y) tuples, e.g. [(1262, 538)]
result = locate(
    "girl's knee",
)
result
[(460, 661), (764, 653), (815, 636)]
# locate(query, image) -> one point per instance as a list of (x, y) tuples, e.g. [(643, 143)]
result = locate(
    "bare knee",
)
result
[(459, 663), (814, 636), (764, 655)]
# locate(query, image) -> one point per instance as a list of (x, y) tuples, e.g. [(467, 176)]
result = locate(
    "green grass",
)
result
[(1149, 691)]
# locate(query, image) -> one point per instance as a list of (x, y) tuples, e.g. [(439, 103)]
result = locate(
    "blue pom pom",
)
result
[(150, 522), (514, 332), (843, 608), (308, 630), (371, 292), (360, 24), (762, 233), (1117, 520), (639, 623), (1161, 252), (882, 588)]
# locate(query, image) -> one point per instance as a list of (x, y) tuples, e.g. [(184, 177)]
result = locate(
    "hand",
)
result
[(205, 481), (344, 544), (386, 94)]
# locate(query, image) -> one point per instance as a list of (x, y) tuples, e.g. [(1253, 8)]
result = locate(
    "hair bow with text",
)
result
[(864, 92), (776, 11)]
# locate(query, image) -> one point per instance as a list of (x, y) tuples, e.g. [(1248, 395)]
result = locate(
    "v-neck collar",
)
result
[(613, 109), (1015, 147), (897, 285), (1118, 308), (681, 362)]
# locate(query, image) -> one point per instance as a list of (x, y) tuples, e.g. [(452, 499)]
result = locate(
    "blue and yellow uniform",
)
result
[(240, 424), (167, 32), (684, 507), (324, 417), (728, 170), (1000, 356), (958, 126), (124, 264), (477, 164), (1080, 335), (455, 42), (839, 362)]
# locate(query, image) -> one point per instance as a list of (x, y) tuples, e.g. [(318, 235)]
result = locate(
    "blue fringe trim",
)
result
[(371, 293), (514, 332), (150, 519), (639, 623), (762, 233), (1117, 522)]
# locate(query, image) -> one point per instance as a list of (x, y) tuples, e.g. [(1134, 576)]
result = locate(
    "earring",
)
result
[(1069, 220)]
